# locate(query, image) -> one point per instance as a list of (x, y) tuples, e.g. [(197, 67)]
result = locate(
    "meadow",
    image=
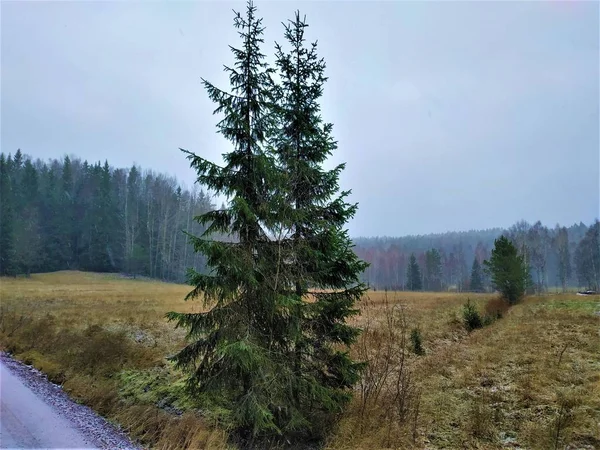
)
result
[(530, 379)]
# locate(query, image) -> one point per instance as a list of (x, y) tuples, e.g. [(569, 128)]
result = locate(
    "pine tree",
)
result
[(413, 274), (476, 284), (7, 250), (324, 266), (508, 270), (230, 355)]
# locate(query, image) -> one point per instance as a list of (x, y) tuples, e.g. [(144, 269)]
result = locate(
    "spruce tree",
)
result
[(270, 350), (413, 274), (105, 221), (82, 206), (28, 235), (67, 218), (476, 284), (95, 252), (433, 270), (7, 249), (17, 164), (323, 264), (52, 254), (230, 356)]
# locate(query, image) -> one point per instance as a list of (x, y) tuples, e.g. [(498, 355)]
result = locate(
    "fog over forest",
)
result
[(72, 214)]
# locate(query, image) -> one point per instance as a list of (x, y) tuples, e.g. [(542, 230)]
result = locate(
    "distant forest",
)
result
[(69, 214), (563, 257)]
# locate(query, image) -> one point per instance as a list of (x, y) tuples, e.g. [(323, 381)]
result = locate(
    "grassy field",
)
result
[(528, 380)]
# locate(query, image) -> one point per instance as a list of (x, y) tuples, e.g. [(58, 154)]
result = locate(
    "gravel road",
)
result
[(35, 413)]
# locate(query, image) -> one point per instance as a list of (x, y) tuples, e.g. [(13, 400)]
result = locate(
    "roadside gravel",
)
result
[(95, 430)]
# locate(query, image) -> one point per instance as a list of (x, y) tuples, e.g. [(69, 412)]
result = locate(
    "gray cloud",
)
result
[(450, 115)]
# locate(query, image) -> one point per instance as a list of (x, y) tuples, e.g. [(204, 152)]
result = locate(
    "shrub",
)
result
[(417, 342), (487, 320), (95, 351), (471, 317), (39, 334), (53, 371), (98, 393), (388, 395), (496, 308)]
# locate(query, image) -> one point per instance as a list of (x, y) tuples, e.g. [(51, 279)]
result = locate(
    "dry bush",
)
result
[(98, 393), (496, 308), (11, 322), (101, 352), (556, 431), (190, 431), (54, 371), (567, 402), (168, 431), (386, 404)]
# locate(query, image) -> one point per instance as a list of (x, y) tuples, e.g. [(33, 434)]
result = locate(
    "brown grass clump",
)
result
[(496, 307), (530, 379)]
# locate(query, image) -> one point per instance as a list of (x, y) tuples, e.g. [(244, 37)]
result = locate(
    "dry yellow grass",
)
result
[(530, 379), (87, 330)]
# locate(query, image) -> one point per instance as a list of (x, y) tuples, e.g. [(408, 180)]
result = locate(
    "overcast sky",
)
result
[(450, 115)]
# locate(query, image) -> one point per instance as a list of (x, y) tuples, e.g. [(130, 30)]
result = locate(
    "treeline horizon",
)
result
[(566, 257), (69, 214)]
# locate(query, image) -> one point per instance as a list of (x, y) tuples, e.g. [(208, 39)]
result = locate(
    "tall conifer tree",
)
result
[(322, 264), (28, 240), (230, 353), (413, 274), (7, 247), (269, 347)]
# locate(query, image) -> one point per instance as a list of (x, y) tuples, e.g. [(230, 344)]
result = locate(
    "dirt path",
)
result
[(35, 413)]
